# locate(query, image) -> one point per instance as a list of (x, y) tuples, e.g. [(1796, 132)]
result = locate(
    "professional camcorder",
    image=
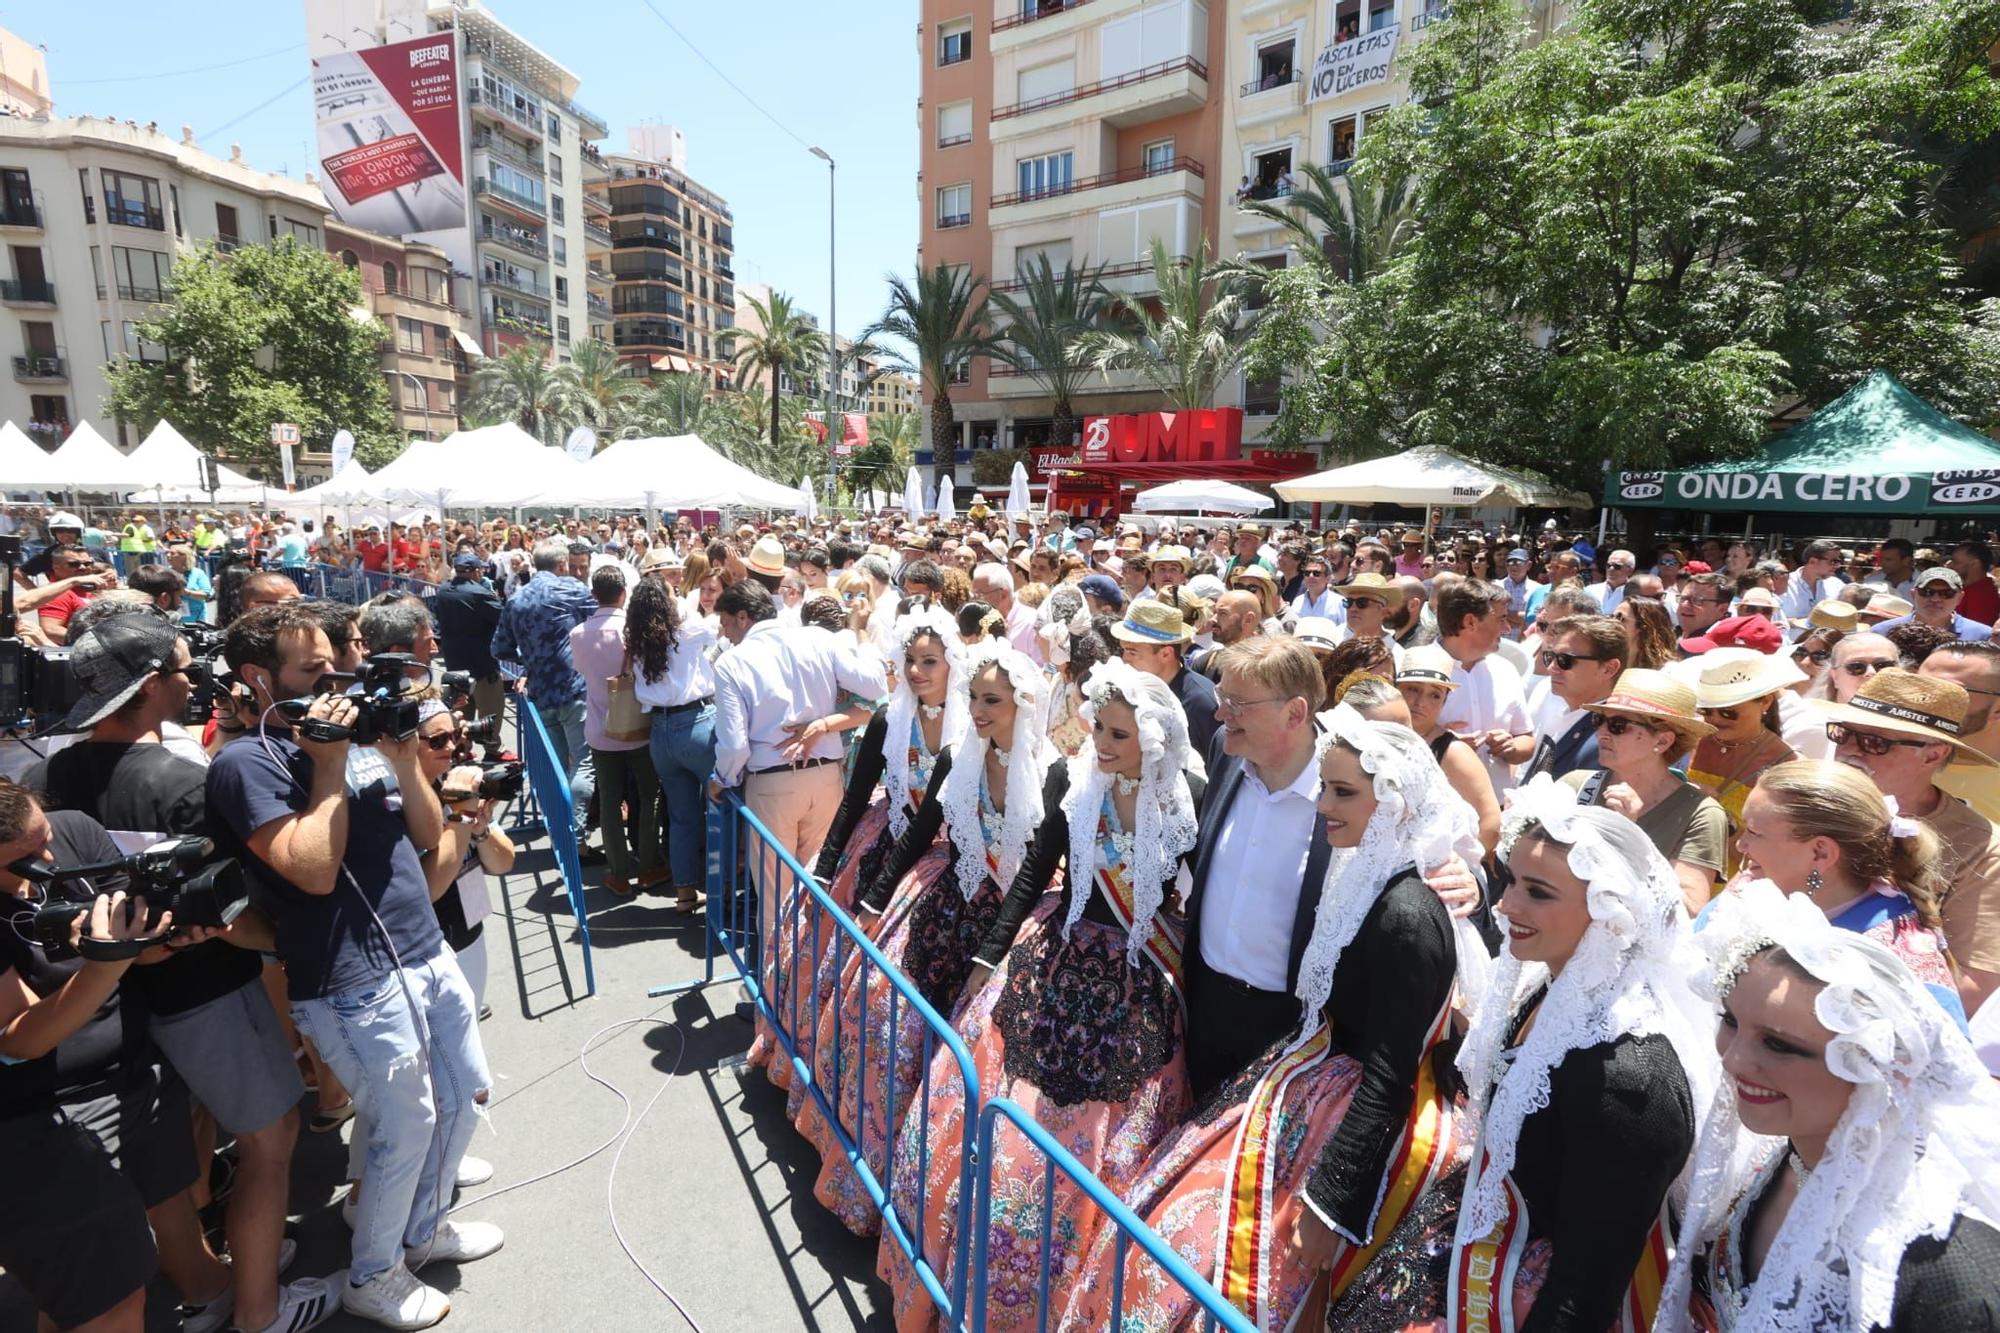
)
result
[(176, 876), (501, 781), (35, 682), (209, 677), (384, 696)]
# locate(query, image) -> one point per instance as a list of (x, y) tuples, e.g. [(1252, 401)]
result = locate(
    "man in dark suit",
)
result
[(1154, 639), (1582, 657), (467, 610)]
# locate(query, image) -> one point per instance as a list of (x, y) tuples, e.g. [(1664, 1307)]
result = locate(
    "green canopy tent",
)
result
[(1876, 449)]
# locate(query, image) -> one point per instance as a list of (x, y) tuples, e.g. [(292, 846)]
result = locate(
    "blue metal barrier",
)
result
[(550, 786)]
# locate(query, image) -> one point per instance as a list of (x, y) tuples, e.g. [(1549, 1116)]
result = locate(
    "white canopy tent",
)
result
[(669, 472), (493, 467), (89, 462), (24, 465), (170, 469), (1428, 476), (1201, 497), (352, 479)]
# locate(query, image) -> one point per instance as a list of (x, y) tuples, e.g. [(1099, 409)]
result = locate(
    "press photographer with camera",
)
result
[(95, 1135), (472, 847), (211, 1015), (331, 834)]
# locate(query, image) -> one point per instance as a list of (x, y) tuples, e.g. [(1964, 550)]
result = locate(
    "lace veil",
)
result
[(1627, 976), (1166, 820), (1417, 820), (937, 621), (1918, 1145), (1028, 758)]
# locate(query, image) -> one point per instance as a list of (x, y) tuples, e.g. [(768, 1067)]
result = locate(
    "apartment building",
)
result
[(514, 137), (1078, 130), (94, 214), (855, 371), (412, 288), (672, 256), (893, 394)]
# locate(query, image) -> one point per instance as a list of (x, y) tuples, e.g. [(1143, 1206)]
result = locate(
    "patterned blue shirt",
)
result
[(534, 631)]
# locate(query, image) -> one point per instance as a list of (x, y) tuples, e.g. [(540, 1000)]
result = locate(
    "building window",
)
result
[(559, 248), (1276, 66), (1273, 174), (1048, 174), (174, 195), (226, 235), (388, 277), (409, 336), (1159, 156), (132, 201), (562, 329), (139, 349), (555, 169), (1381, 17), (307, 236), (562, 289), (954, 41), (142, 275), (555, 128), (97, 271), (348, 259), (954, 205), (49, 412), (1342, 135), (556, 207), (89, 202)]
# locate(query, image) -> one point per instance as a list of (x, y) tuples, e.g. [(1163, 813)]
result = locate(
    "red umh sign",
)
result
[(1209, 435)]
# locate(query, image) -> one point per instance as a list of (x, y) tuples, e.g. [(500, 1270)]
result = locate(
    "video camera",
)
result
[(209, 677), (501, 781), (382, 691), (35, 682), (175, 876)]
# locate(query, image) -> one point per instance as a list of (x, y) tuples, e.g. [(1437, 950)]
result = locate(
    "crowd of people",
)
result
[(1492, 931)]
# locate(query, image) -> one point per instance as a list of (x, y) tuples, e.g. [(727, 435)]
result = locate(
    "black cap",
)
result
[(112, 659)]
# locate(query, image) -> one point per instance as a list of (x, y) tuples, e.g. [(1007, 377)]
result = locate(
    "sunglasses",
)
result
[(1938, 593), (1619, 726), (1315, 573), (1565, 661), (1867, 741), (1864, 667), (1817, 656), (1362, 603), (443, 741), (1725, 714)]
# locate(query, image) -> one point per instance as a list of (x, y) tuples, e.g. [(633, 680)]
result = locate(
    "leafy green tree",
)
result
[(595, 381), (939, 317), (1644, 232), (263, 335), (674, 404), (1185, 341), (1040, 333), (785, 343), (521, 386)]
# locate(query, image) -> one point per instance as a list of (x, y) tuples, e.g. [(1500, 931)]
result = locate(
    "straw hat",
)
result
[(1317, 632), (1831, 615), (1731, 676), (1428, 665), (1761, 598), (1372, 584), (1152, 622), (1256, 572), (1173, 555), (1886, 606), (1653, 697), (1906, 704), (767, 557)]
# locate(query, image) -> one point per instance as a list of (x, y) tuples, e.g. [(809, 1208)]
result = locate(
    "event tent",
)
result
[(1428, 476), (1876, 449), (89, 462), (169, 469), (1197, 497), (333, 492), (24, 465), (668, 473), (492, 467)]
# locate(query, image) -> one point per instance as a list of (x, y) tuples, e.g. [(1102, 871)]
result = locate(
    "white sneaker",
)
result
[(456, 1243), (288, 1250), (306, 1303), (395, 1299), (210, 1315), (473, 1171)]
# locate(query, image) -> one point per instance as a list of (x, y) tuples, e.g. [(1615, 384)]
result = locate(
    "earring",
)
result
[(1814, 882)]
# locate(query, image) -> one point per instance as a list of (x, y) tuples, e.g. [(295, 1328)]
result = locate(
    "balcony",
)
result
[(950, 220), (1164, 89), (595, 202), (17, 292), (1098, 182), (525, 204), (1132, 278), (598, 276), (954, 140), (596, 304), (518, 239), (511, 153), (40, 369), (149, 294), (1004, 381), (228, 245), (722, 270), (1033, 11), (598, 237), (523, 283), (1429, 16), (589, 119), (529, 119), (518, 323), (20, 216), (1269, 83)]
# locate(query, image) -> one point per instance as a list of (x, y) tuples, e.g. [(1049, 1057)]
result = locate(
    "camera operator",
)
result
[(330, 834), (471, 849), (468, 611), (95, 1136), (211, 1016)]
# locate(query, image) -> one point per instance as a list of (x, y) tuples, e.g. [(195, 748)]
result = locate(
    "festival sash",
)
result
[(1160, 944), (1480, 1298), (1421, 1154)]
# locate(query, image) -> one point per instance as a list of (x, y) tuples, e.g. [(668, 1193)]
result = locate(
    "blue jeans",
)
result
[(417, 1129), (683, 746), (565, 727)]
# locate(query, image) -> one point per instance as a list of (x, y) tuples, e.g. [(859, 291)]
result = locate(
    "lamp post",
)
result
[(832, 317)]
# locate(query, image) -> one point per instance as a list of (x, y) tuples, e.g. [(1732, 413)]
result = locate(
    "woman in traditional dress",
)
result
[(928, 908), (1848, 1177), (1074, 1011), (1280, 1184), (1585, 1060)]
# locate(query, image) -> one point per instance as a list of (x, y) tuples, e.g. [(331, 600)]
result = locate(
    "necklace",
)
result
[(931, 712), (1002, 755), (1126, 786), (1800, 1170)]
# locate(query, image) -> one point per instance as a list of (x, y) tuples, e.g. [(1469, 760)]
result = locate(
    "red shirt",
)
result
[(405, 553), (1981, 601), (374, 556), (61, 608)]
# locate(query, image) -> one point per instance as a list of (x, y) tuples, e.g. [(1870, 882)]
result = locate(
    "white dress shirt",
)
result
[(690, 673), (1800, 596), (1330, 605), (1607, 596), (781, 674), (1489, 695), (1254, 874)]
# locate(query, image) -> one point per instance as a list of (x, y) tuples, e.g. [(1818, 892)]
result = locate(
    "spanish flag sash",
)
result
[(1421, 1154), (1483, 1273), (1162, 943)]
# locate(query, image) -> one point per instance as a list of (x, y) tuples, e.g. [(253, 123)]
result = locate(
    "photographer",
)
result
[(471, 849), (96, 1139), (210, 1014), (330, 834)]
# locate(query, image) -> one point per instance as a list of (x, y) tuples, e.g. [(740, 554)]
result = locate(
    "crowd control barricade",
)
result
[(792, 963), (547, 805)]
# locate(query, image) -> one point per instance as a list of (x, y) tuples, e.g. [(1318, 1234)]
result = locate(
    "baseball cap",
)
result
[(467, 560), (1103, 588), (1944, 574), (112, 659), (1086, 533), (1518, 553), (1753, 632)]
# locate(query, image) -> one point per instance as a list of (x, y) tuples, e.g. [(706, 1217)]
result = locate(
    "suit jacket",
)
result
[(467, 612), (1574, 749), (1225, 779)]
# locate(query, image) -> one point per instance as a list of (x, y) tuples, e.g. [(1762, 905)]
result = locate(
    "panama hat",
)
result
[(1317, 632), (1731, 676), (1653, 697), (1906, 704), (1372, 584), (767, 557), (1886, 606), (1832, 615), (1428, 665), (1152, 622), (1173, 555)]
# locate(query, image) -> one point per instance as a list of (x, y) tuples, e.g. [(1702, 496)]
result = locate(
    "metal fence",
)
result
[(548, 801), (759, 895)]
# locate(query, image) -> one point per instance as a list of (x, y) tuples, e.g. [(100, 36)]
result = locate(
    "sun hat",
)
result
[(767, 557), (112, 659), (1763, 598), (1173, 555), (1372, 584), (1413, 539), (1317, 632), (1655, 697), (1153, 622), (1732, 676), (1906, 704), (1428, 665), (1249, 530), (1831, 615), (1886, 606), (1206, 585), (659, 557), (1754, 632)]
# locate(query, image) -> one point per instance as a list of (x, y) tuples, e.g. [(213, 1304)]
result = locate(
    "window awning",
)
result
[(466, 344)]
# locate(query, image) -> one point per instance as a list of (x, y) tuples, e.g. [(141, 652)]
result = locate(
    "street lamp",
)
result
[(832, 314)]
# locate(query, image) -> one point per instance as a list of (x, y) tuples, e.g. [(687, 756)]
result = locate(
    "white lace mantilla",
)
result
[(1028, 759), (901, 731)]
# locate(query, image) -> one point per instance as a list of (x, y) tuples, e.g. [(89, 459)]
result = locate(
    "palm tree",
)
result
[(940, 318), (1184, 341), (597, 382), (522, 387), (1041, 330), (784, 343), (1351, 233), (897, 430), (676, 404)]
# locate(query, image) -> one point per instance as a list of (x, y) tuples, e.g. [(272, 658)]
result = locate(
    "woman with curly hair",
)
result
[(1655, 641), (673, 675)]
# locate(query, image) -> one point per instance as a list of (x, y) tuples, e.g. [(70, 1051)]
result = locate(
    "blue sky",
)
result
[(843, 76)]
